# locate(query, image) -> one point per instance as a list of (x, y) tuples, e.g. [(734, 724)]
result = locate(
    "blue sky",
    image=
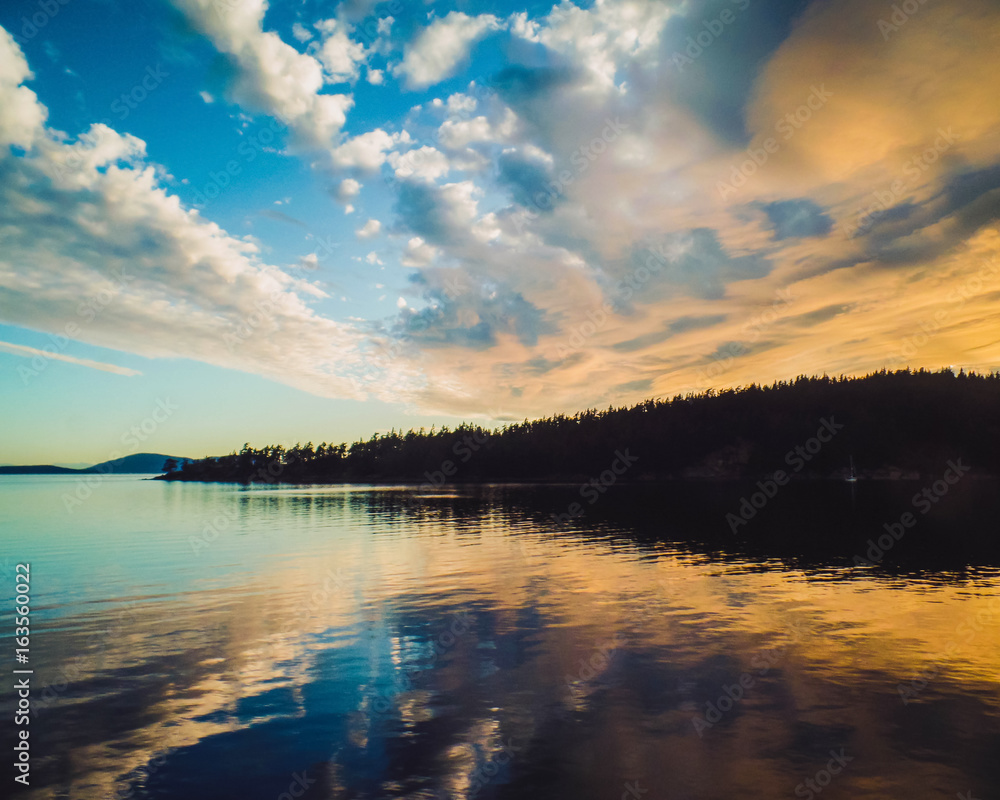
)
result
[(314, 220)]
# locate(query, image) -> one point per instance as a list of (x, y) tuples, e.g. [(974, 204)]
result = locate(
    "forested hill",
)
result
[(894, 425)]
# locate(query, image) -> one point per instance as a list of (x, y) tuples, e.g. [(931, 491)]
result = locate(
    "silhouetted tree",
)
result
[(902, 422)]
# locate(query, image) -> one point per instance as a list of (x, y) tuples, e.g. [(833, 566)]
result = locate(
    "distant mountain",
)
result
[(136, 464), (42, 469), (63, 464)]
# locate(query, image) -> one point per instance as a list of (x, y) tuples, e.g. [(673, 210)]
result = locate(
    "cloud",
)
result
[(280, 216), (640, 278), (973, 196), (34, 352), (457, 134), (340, 55), (712, 75), (474, 319), (369, 230), (793, 219), (347, 189), (681, 325), (438, 50), (354, 11), (891, 99), (528, 173), (909, 233), (367, 152), (695, 261), (270, 75), (425, 163), (129, 268), (438, 214), (21, 116), (593, 106), (818, 315), (600, 39), (417, 253), (459, 103), (519, 84)]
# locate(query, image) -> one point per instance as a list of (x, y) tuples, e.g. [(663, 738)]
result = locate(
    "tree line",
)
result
[(892, 424)]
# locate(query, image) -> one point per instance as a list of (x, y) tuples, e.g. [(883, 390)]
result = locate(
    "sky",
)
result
[(225, 221)]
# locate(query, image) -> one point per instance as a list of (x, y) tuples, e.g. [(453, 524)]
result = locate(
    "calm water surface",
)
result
[(205, 641)]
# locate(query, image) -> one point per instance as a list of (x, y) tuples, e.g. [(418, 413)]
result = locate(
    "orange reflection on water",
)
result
[(479, 652)]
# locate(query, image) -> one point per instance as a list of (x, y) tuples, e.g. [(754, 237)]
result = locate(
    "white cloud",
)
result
[(369, 230), (547, 270), (418, 253), (602, 38), (271, 76), (532, 152), (340, 55), (425, 163), (460, 103), (438, 50), (205, 96), (367, 152), (460, 203), (34, 352), (301, 32), (376, 77), (456, 134), (469, 160), (130, 268), (523, 27), (21, 116), (347, 189)]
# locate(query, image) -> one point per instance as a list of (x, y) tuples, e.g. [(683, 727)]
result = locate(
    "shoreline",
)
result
[(563, 481)]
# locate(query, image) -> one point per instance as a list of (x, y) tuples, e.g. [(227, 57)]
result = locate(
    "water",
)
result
[(205, 641)]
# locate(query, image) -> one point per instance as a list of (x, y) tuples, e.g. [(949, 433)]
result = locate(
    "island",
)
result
[(888, 425)]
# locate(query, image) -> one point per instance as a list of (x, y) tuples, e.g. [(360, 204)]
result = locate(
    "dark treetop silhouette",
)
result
[(894, 424)]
